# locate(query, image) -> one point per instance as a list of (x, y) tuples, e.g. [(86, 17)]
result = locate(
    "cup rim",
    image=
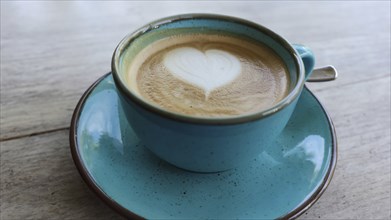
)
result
[(122, 46)]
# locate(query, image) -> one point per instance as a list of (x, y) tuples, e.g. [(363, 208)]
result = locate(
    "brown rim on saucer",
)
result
[(303, 207), (79, 164), (330, 172)]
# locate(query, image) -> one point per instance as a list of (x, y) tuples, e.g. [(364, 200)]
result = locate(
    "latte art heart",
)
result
[(208, 75), (208, 70)]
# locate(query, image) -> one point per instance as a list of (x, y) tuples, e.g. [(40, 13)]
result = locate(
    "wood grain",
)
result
[(39, 181), (360, 188), (52, 51)]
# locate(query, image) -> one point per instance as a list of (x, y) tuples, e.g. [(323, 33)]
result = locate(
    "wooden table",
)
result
[(52, 51)]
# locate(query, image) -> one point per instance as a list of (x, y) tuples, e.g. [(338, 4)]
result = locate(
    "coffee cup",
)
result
[(207, 92)]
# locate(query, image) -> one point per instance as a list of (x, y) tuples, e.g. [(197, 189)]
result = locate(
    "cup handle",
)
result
[(308, 58)]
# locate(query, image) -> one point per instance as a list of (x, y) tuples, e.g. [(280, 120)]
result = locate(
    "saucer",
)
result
[(282, 182)]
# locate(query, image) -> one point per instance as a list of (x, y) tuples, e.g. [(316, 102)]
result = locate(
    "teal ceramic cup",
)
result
[(208, 144)]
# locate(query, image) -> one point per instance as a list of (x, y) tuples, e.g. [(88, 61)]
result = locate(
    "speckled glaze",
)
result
[(282, 182), (208, 144)]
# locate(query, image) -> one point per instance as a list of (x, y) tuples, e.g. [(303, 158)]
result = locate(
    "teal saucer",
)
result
[(282, 182)]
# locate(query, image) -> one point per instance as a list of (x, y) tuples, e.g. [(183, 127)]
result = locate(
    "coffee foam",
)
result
[(207, 69), (208, 75)]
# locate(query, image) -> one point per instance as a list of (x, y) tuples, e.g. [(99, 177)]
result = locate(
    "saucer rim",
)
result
[(92, 185)]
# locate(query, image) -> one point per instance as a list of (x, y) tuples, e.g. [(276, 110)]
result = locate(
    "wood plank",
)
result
[(52, 51), (361, 185), (39, 181)]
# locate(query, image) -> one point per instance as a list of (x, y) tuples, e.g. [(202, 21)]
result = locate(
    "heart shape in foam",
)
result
[(207, 70)]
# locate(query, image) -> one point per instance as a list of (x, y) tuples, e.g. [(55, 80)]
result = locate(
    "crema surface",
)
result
[(209, 75)]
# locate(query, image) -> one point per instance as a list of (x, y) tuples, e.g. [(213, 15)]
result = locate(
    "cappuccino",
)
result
[(208, 75)]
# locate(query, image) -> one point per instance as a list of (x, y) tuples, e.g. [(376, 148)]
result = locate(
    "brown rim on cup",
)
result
[(124, 43)]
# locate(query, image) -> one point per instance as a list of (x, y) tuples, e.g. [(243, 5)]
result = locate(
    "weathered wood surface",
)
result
[(39, 181), (51, 52)]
